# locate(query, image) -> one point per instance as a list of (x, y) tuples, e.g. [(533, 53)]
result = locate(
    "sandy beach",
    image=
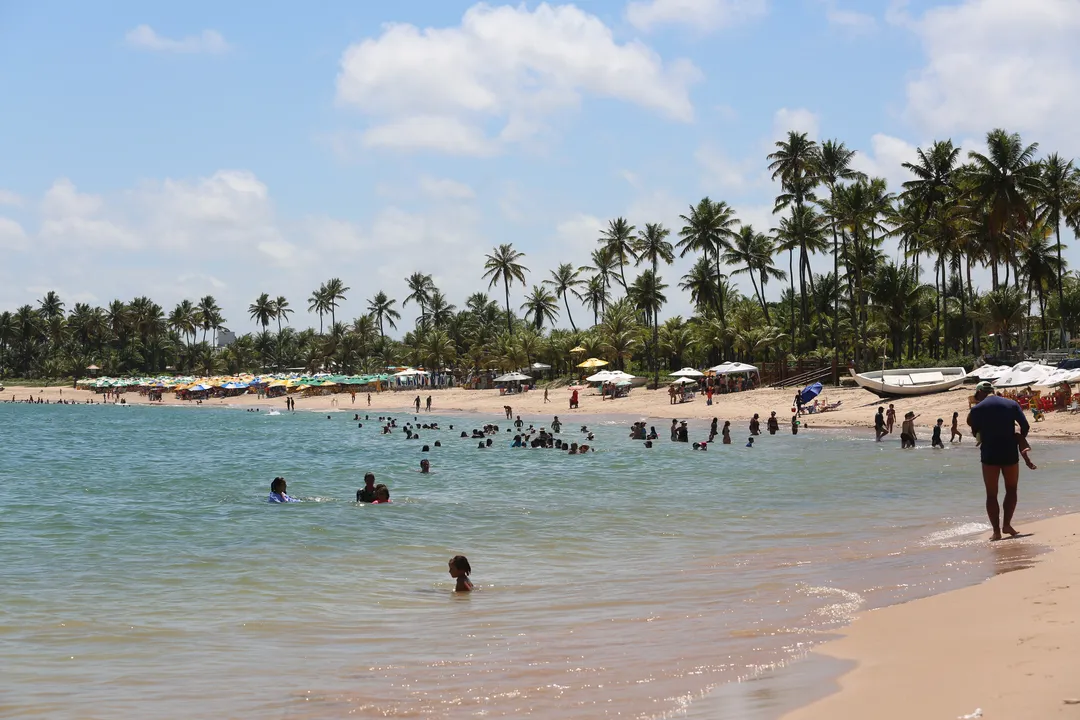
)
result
[(856, 410), (1009, 647)]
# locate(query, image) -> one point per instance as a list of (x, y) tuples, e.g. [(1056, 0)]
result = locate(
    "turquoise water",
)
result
[(145, 576)]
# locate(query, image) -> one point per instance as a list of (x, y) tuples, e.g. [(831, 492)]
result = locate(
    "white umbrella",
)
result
[(602, 376), (1023, 373), (410, 372), (688, 372), (512, 377), (684, 381)]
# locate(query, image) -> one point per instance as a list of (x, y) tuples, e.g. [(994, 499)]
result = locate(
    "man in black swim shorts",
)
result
[(995, 418)]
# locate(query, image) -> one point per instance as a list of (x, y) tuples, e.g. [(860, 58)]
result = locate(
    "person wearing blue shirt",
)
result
[(277, 492), (995, 419)]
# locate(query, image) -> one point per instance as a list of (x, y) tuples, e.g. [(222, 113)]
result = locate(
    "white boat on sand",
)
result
[(909, 383)]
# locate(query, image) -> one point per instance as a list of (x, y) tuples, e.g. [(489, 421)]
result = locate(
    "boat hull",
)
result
[(910, 383)]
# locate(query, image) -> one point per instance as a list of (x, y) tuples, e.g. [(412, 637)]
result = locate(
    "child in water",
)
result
[(750, 442), (277, 492), (955, 428), (460, 571), (935, 439)]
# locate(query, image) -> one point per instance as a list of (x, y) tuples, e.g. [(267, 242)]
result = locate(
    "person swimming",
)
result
[(382, 495), (277, 492), (460, 571), (366, 494), (750, 442), (425, 467)]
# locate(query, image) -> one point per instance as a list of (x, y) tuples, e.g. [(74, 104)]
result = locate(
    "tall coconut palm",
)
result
[(1060, 191), (804, 229), (1007, 181), (833, 166), (652, 246), (794, 163), (604, 265), (564, 281), (708, 229), (542, 305), (752, 252), (502, 264), (420, 288), (319, 303), (335, 293), (439, 310), (382, 309), (647, 293), (702, 283), (183, 320), (596, 296), (618, 240), (51, 306), (262, 310)]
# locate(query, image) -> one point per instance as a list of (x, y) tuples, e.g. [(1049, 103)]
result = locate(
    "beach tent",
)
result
[(593, 363), (688, 372), (810, 392), (410, 372), (1023, 374), (733, 368), (684, 381), (512, 377)]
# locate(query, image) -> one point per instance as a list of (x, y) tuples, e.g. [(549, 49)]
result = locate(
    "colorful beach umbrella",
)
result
[(593, 363)]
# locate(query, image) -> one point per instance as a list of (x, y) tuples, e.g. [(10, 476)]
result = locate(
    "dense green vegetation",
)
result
[(1002, 210)]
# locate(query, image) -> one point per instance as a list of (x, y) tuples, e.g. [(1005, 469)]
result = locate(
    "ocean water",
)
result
[(144, 575)]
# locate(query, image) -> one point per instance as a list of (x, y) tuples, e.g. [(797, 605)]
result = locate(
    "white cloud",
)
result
[(12, 235), (9, 198), (721, 172), (885, 159), (850, 21), (999, 63), (144, 37), (73, 221), (445, 189), (794, 119), (702, 15), (498, 76)]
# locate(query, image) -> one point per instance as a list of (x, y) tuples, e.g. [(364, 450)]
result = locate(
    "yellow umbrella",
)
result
[(278, 383), (593, 363), (578, 349)]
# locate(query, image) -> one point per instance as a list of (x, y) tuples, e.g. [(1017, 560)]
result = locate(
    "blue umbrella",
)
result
[(810, 392)]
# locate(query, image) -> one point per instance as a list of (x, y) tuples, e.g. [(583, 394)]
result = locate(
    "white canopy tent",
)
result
[(733, 368), (513, 377), (411, 372)]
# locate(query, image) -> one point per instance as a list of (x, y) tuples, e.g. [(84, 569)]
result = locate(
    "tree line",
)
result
[(1000, 211)]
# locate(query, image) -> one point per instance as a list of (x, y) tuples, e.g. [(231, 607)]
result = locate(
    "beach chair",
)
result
[(1074, 407)]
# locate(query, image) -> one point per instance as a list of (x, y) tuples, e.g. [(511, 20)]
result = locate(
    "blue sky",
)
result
[(236, 148)]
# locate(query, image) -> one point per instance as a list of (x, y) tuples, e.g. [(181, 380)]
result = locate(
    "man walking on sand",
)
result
[(994, 418)]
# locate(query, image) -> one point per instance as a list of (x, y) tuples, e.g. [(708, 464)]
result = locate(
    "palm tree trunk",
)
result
[(655, 344), (506, 287), (566, 301), (836, 304), (791, 277), (1061, 291)]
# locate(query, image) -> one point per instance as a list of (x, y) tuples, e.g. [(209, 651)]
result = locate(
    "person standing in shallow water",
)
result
[(774, 424), (995, 420), (879, 424), (416, 402), (890, 418)]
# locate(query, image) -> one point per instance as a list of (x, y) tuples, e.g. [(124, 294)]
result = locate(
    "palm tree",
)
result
[(262, 310), (794, 164), (503, 265), (596, 296), (647, 293), (335, 291), (618, 241), (605, 264), (439, 309), (702, 283), (421, 287), (209, 315), (183, 320), (753, 251), (709, 229), (542, 305), (51, 306), (565, 280), (1040, 267), (804, 229), (382, 309), (652, 246), (834, 165), (1006, 180), (319, 303), (1060, 191)]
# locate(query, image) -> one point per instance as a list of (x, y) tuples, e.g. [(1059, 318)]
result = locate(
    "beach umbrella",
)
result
[(684, 381), (512, 377), (199, 388), (602, 376), (577, 349), (688, 372), (1023, 373), (623, 383), (539, 366), (810, 392), (593, 363)]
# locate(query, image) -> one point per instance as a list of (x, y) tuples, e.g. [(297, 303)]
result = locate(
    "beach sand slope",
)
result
[(1009, 647)]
